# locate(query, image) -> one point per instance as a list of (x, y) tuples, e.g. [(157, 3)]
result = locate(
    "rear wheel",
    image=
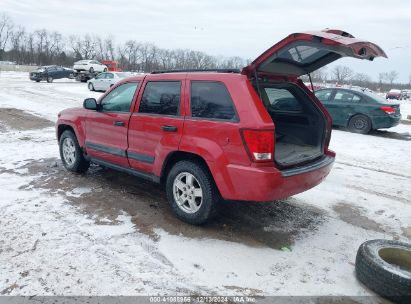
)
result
[(71, 76), (105, 70), (71, 153), (191, 192), (38, 80), (91, 70), (90, 86), (359, 124), (49, 79)]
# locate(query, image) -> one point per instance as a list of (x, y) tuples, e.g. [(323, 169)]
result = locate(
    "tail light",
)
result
[(388, 110), (259, 144)]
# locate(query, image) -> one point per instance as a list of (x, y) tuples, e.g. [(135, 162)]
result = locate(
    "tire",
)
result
[(105, 70), (38, 80), (359, 124), (90, 86), (91, 70), (71, 76), (76, 162), (206, 207), (376, 266), (49, 79)]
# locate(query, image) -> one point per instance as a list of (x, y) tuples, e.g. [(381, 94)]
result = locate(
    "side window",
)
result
[(161, 97), (109, 76), (101, 76), (120, 99), (345, 96), (282, 100), (211, 100), (323, 95)]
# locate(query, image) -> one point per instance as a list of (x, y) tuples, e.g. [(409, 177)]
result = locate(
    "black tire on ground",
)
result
[(80, 164), (385, 267), (210, 195), (90, 86), (38, 80), (91, 70), (105, 70), (360, 124), (49, 79)]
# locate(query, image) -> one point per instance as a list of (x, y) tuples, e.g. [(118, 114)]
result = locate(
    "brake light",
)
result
[(259, 144), (388, 110)]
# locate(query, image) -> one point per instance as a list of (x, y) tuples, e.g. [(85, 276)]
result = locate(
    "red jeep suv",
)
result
[(253, 135)]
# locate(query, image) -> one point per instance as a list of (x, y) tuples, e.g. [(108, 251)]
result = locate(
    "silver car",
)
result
[(104, 81)]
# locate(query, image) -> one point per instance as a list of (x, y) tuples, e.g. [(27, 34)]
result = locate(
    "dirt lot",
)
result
[(110, 233)]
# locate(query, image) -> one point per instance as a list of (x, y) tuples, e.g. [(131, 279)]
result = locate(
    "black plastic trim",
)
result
[(323, 162), (105, 149), (141, 157), (137, 173)]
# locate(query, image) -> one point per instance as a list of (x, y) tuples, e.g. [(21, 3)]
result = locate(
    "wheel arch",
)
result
[(176, 156)]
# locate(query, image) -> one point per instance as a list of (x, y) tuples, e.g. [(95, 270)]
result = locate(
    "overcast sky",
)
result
[(242, 28)]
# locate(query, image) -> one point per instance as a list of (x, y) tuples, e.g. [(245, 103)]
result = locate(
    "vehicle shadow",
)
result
[(103, 194)]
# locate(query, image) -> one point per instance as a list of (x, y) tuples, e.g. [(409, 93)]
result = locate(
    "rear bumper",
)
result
[(268, 184), (382, 122)]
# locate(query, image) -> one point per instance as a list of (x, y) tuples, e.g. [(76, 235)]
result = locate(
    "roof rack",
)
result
[(197, 70)]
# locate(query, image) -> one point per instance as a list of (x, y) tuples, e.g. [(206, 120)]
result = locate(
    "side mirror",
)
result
[(90, 104)]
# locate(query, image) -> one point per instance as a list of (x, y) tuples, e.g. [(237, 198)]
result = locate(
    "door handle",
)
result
[(169, 128), (119, 123)]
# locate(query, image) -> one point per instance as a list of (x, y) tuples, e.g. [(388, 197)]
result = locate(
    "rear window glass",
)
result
[(282, 100), (211, 100), (161, 97), (303, 54)]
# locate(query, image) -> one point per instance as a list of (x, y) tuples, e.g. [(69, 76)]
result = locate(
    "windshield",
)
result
[(40, 69)]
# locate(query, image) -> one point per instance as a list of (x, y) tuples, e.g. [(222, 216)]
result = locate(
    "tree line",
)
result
[(44, 47)]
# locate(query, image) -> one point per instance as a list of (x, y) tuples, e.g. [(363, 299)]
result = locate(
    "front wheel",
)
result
[(90, 86), (191, 192), (360, 124), (49, 79), (71, 154)]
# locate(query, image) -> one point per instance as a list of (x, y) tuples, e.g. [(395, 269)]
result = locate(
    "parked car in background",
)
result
[(359, 111), (104, 81), (393, 94), (90, 66), (253, 135), (51, 72), (405, 94)]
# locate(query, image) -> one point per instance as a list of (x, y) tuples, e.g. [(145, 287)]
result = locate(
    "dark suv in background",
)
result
[(253, 135), (51, 72)]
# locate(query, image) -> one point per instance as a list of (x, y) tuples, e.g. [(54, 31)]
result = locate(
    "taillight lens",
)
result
[(388, 110), (260, 144)]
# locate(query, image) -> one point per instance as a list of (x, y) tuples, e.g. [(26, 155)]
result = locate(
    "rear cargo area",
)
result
[(299, 124)]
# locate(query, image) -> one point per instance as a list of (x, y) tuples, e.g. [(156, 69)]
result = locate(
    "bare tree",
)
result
[(342, 73), (362, 79), (392, 76), (320, 75), (6, 30)]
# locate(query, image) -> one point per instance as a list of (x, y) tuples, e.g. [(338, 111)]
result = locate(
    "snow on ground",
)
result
[(49, 244)]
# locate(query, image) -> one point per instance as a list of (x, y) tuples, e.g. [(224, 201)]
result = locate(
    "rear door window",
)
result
[(161, 97), (346, 96), (211, 100)]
